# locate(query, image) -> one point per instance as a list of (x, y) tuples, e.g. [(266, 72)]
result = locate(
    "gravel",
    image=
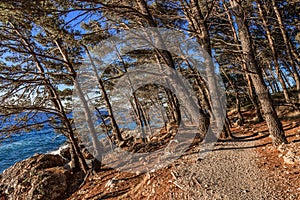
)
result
[(228, 172)]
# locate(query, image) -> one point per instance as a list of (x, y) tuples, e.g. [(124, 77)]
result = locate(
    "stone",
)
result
[(40, 177), (289, 160)]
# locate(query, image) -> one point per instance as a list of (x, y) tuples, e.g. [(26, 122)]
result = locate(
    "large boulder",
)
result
[(40, 177)]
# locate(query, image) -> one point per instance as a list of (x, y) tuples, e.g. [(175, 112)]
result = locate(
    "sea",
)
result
[(23, 145)]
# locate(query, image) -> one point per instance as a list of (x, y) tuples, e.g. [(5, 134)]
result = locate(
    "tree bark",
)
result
[(273, 123), (115, 127), (251, 92), (274, 52), (199, 26), (288, 48)]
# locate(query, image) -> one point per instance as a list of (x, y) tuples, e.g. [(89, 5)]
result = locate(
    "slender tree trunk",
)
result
[(295, 53), (174, 105), (273, 123), (251, 92), (202, 89), (288, 48), (237, 100), (267, 80), (136, 105), (274, 53), (115, 127), (172, 99), (140, 116), (177, 85), (87, 112), (77, 157), (199, 26), (253, 98), (286, 80)]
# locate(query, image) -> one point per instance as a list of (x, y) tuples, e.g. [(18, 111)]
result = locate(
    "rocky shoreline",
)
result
[(43, 176)]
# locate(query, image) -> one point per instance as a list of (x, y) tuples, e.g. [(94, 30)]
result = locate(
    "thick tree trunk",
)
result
[(253, 98), (273, 123)]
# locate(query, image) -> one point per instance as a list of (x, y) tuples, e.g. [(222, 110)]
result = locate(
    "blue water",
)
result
[(25, 144), (22, 146)]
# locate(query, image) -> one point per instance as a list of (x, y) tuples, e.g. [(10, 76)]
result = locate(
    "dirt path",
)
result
[(245, 168), (230, 172)]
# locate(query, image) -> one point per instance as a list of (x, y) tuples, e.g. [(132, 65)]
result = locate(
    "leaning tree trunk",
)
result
[(273, 123), (251, 92), (115, 127), (168, 59), (288, 48), (199, 25), (77, 157), (87, 112), (274, 53)]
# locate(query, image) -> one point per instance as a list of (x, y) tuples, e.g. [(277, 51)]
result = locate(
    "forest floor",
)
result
[(246, 167)]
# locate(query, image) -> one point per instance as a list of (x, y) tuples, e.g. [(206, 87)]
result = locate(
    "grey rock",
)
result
[(39, 177)]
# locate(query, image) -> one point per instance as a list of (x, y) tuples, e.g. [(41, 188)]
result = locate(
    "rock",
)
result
[(39, 177), (282, 148), (138, 172), (289, 158), (260, 133)]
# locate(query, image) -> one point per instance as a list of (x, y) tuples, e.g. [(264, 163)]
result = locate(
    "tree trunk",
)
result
[(87, 112), (78, 159), (274, 53), (251, 92), (288, 48), (253, 98), (267, 80), (199, 26), (286, 80), (178, 86), (115, 127), (237, 100), (273, 123)]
